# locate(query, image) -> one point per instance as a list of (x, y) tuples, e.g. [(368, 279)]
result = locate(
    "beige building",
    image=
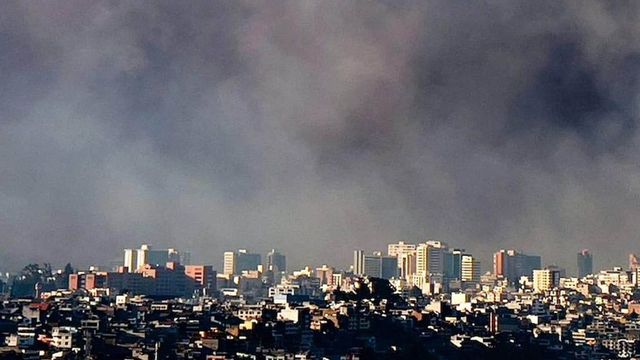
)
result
[(229, 263), (430, 257), (545, 279), (406, 255), (470, 268)]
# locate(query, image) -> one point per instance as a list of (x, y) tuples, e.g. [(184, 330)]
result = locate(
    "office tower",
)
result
[(453, 264), (130, 260), (545, 279), (358, 262), (375, 265), (585, 263), (470, 268), (137, 258), (422, 260), (237, 262), (228, 267), (529, 263), (406, 255), (513, 265), (634, 262), (246, 261), (388, 267), (437, 250), (430, 257), (500, 263), (276, 261)]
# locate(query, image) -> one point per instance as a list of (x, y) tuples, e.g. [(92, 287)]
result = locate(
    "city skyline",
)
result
[(319, 180), (320, 127), (408, 258)]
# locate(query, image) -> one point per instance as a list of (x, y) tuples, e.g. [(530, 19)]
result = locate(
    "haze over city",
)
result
[(318, 128)]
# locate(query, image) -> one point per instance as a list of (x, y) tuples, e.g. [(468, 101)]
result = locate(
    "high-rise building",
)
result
[(500, 263), (375, 265), (470, 268), (512, 265), (276, 261), (430, 257), (239, 261), (406, 255), (130, 260), (228, 267), (358, 262), (585, 263), (545, 279), (137, 258), (453, 264)]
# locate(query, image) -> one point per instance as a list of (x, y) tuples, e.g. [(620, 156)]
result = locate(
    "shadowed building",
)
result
[(585, 263)]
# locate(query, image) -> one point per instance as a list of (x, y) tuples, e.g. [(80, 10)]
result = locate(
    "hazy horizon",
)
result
[(318, 128)]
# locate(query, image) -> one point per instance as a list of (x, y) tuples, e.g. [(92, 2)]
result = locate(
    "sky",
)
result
[(318, 127)]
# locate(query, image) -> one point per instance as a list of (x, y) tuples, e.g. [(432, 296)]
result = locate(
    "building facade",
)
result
[(470, 269), (585, 263)]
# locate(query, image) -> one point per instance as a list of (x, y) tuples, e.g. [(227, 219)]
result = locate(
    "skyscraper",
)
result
[(470, 268), (130, 260), (246, 261), (229, 263), (276, 261), (499, 263), (430, 257), (375, 265), (585, 263), (239, 261), (453, 264), (358, 262), (512, 265)]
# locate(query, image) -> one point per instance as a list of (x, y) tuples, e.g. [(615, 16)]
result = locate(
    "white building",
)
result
[(470, 268)]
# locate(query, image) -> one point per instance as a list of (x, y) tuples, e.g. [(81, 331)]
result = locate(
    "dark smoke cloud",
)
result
[(318, 127)]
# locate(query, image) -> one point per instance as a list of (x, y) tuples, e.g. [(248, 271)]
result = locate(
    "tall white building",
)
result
[(470, 268), (229, 263), (130, 259)]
